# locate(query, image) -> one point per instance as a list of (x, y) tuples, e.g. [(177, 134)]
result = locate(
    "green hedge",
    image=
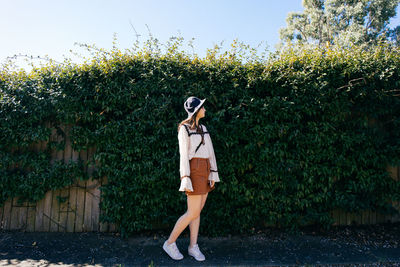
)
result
[(296, 135)]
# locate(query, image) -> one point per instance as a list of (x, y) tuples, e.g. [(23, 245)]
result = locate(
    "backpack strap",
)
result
[(187, 130), (202, 135), (202, 139), (197, 148)]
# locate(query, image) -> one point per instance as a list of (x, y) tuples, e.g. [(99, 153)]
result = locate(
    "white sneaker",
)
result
[(196, 253), (172, 250)]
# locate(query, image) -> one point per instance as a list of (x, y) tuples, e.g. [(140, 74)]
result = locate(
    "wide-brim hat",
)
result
[(192, 105)]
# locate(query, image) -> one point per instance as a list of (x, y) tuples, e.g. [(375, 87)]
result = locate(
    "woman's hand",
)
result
[(212, 183)]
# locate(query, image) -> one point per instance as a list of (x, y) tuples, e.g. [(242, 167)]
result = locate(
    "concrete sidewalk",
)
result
[(97, 249)]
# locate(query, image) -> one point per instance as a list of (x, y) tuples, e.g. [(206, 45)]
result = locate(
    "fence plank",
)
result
[(73, 192), (372, 217), (7, 214), (80, 197), (48, 202), (365, 217), (30, 222), (23, 216), (393, 173), (14, 220), (103, 226), (342, 217), (348, 218), (113, 228), (1, 216), (80, 206), (335, 216), (14, 215), (380, 218), (39, 227), (65, 192), (396, 218), (96, 208), (388, 217), (71, 209), (48, 199), (54, 212), (87, 223), (31, 207), (7, 208), (357, 218), (396, 204), (40, 204), (55, 207), (95, 192), (63, 213), (88, 197)]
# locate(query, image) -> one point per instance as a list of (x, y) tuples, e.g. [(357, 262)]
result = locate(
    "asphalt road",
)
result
[(344, 246)]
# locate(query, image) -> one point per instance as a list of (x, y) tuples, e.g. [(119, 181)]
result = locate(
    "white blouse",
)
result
[(187, 147)]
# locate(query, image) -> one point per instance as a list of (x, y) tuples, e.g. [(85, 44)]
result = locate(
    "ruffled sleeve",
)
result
[(213, 162), (186, 183), (184, 168)]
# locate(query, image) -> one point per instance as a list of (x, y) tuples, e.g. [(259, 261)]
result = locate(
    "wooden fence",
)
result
[(80, 212), (367, 216)]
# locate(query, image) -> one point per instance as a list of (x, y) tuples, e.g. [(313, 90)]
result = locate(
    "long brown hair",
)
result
[(192, 122)]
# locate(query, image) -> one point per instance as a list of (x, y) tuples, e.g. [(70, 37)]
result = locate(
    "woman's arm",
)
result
[(213, 161), (183, 137)]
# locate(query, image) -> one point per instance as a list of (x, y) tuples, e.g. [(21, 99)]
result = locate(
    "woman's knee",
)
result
[(193, 214), (194, 206)]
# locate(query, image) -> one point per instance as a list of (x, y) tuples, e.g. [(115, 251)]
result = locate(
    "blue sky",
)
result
[(44, 27)]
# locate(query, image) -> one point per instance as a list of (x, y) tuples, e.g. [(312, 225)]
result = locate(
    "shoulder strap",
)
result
[(187, 130), (197, 148), (202, 139), (189, 133)]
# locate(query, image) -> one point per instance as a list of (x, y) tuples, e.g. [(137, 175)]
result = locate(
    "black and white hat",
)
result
[(192, 105)]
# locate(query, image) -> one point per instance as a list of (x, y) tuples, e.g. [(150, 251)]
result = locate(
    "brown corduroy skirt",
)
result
[(199, 173)]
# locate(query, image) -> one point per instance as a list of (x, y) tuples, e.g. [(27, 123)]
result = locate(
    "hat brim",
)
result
[(197, 108)]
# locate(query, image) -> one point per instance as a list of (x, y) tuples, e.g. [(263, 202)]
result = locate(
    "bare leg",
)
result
[(195, 224), (194, 208)]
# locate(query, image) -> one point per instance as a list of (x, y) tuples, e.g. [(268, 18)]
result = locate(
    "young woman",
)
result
[(198, 170)]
